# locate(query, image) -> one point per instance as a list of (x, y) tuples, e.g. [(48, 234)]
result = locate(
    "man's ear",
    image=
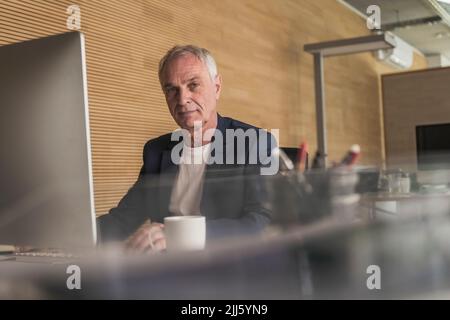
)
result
[(218, 85)]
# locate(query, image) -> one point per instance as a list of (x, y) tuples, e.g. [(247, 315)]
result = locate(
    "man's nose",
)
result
[(184, 96)]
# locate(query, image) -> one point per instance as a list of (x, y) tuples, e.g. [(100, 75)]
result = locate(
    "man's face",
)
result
[(190, 92)]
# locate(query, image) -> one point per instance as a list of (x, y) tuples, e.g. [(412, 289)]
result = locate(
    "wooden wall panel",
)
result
[(258, 44), (411, 99)]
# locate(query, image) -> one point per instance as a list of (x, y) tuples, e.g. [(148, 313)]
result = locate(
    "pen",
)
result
[(301, 156), (352, 155)]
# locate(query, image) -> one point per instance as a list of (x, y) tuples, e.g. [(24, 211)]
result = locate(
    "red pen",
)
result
[(301, 156)]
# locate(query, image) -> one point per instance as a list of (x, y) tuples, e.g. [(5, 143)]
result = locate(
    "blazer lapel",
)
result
[(168, 173)]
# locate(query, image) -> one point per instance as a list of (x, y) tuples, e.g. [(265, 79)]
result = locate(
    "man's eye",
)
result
[(170, 90), (193, 86)]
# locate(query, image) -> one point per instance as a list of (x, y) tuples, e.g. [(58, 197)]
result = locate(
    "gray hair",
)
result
[(177, 51)]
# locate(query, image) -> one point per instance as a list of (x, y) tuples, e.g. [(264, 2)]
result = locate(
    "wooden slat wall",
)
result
[(412, 99), (258, 44)]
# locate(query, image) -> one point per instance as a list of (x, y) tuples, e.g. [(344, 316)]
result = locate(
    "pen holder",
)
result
[(333, 194), (301, 199)]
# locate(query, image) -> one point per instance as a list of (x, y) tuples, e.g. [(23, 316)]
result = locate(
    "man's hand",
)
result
[(149, 237)]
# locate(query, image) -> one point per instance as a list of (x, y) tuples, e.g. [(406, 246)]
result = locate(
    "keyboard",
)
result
[(50, 257), (44, 254)]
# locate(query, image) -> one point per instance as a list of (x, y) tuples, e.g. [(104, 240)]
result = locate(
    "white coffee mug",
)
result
[(185, 233)]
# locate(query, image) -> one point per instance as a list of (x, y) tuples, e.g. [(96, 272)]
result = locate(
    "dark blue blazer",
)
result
[(235, 198)]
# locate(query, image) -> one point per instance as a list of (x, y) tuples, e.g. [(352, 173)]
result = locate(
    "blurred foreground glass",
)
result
[(305, 198)]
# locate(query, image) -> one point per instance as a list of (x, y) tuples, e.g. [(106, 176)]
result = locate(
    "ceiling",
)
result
[(424, 24)]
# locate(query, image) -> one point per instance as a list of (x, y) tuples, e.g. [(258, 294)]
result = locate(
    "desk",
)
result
[(326, 259), (263, 267), (396, 205)]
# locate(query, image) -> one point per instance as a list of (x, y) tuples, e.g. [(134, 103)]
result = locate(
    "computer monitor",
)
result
[(46, 185), (433, 149)]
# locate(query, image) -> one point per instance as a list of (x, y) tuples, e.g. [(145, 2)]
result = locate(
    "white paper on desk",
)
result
[(6, 248), (386, 209)]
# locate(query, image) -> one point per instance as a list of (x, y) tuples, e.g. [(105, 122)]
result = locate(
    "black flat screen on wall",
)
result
[(433, 146)]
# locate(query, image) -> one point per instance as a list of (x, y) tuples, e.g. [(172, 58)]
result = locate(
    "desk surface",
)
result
[(264, 267), (384, 196), (326, 259)]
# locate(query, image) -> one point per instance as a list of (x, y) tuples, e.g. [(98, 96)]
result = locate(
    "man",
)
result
[(234, 200)]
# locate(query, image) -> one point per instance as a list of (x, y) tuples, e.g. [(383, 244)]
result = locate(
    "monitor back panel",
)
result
[(46, 192)]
